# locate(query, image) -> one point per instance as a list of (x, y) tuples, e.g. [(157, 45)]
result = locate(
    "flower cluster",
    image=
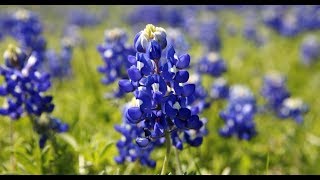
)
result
[(293, 108), (128, 149), (115, 52), (209, 35), (160, 89), (279, 98), (177, 39), (212, 64), (25, 26), (198, 100), (59, 65), (310, 50), (291, 21), (251, 32), (239, 114), (24, 87), (219, 89), (274, 90)]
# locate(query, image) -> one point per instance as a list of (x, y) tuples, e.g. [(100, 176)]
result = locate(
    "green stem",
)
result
[(42, 163), (166, 158), (13, 156), (55, 153), (179, 170)]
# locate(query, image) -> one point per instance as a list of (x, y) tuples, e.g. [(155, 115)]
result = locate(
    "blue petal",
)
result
[(154, 50), (188, 89), (142, 142), (134, 74), (194, 122), (125, 85), (183, 61), (132, 59), (181, 124), (182, 76), (134, 113), (184, 113)]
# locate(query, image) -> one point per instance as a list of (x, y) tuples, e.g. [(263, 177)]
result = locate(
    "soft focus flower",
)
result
[(219, 89), (212, 64), (239, 114), (26, 27), (274, 90), (59, 65), (293, 108), (178, 40), (310, 50), (115, 52)]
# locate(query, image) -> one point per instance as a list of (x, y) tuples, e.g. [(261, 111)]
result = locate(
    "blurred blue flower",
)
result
[(293, 108), (114, 52), (310, 50), (274, 91), (177, 39), (209, 35), (251, 31), (26, 27), (239, 114), (219, 89), (212, 64), (59, 65)]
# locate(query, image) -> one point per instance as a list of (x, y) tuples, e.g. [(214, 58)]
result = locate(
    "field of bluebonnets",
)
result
[(160, 89)]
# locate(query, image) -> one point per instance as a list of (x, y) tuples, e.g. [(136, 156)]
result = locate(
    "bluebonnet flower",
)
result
[(24, 87), (209, 35), (128, 149), (25, 26), (293, 108), (115, 52), (177, 39), (212, 64), (83, 18), (219, 89), (274, 90), (73, 33), (291, 21), (158, 86), (289, 25), (59, 65), (310, 50), (198, 101), (239, 114), (272, 16), (308, 17), (251, 32)]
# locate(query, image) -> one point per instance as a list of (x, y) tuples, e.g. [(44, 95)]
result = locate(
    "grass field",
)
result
[(280, 147)]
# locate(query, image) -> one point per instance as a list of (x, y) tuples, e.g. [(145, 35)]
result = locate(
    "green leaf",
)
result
[(70, 140), (105, 148)]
